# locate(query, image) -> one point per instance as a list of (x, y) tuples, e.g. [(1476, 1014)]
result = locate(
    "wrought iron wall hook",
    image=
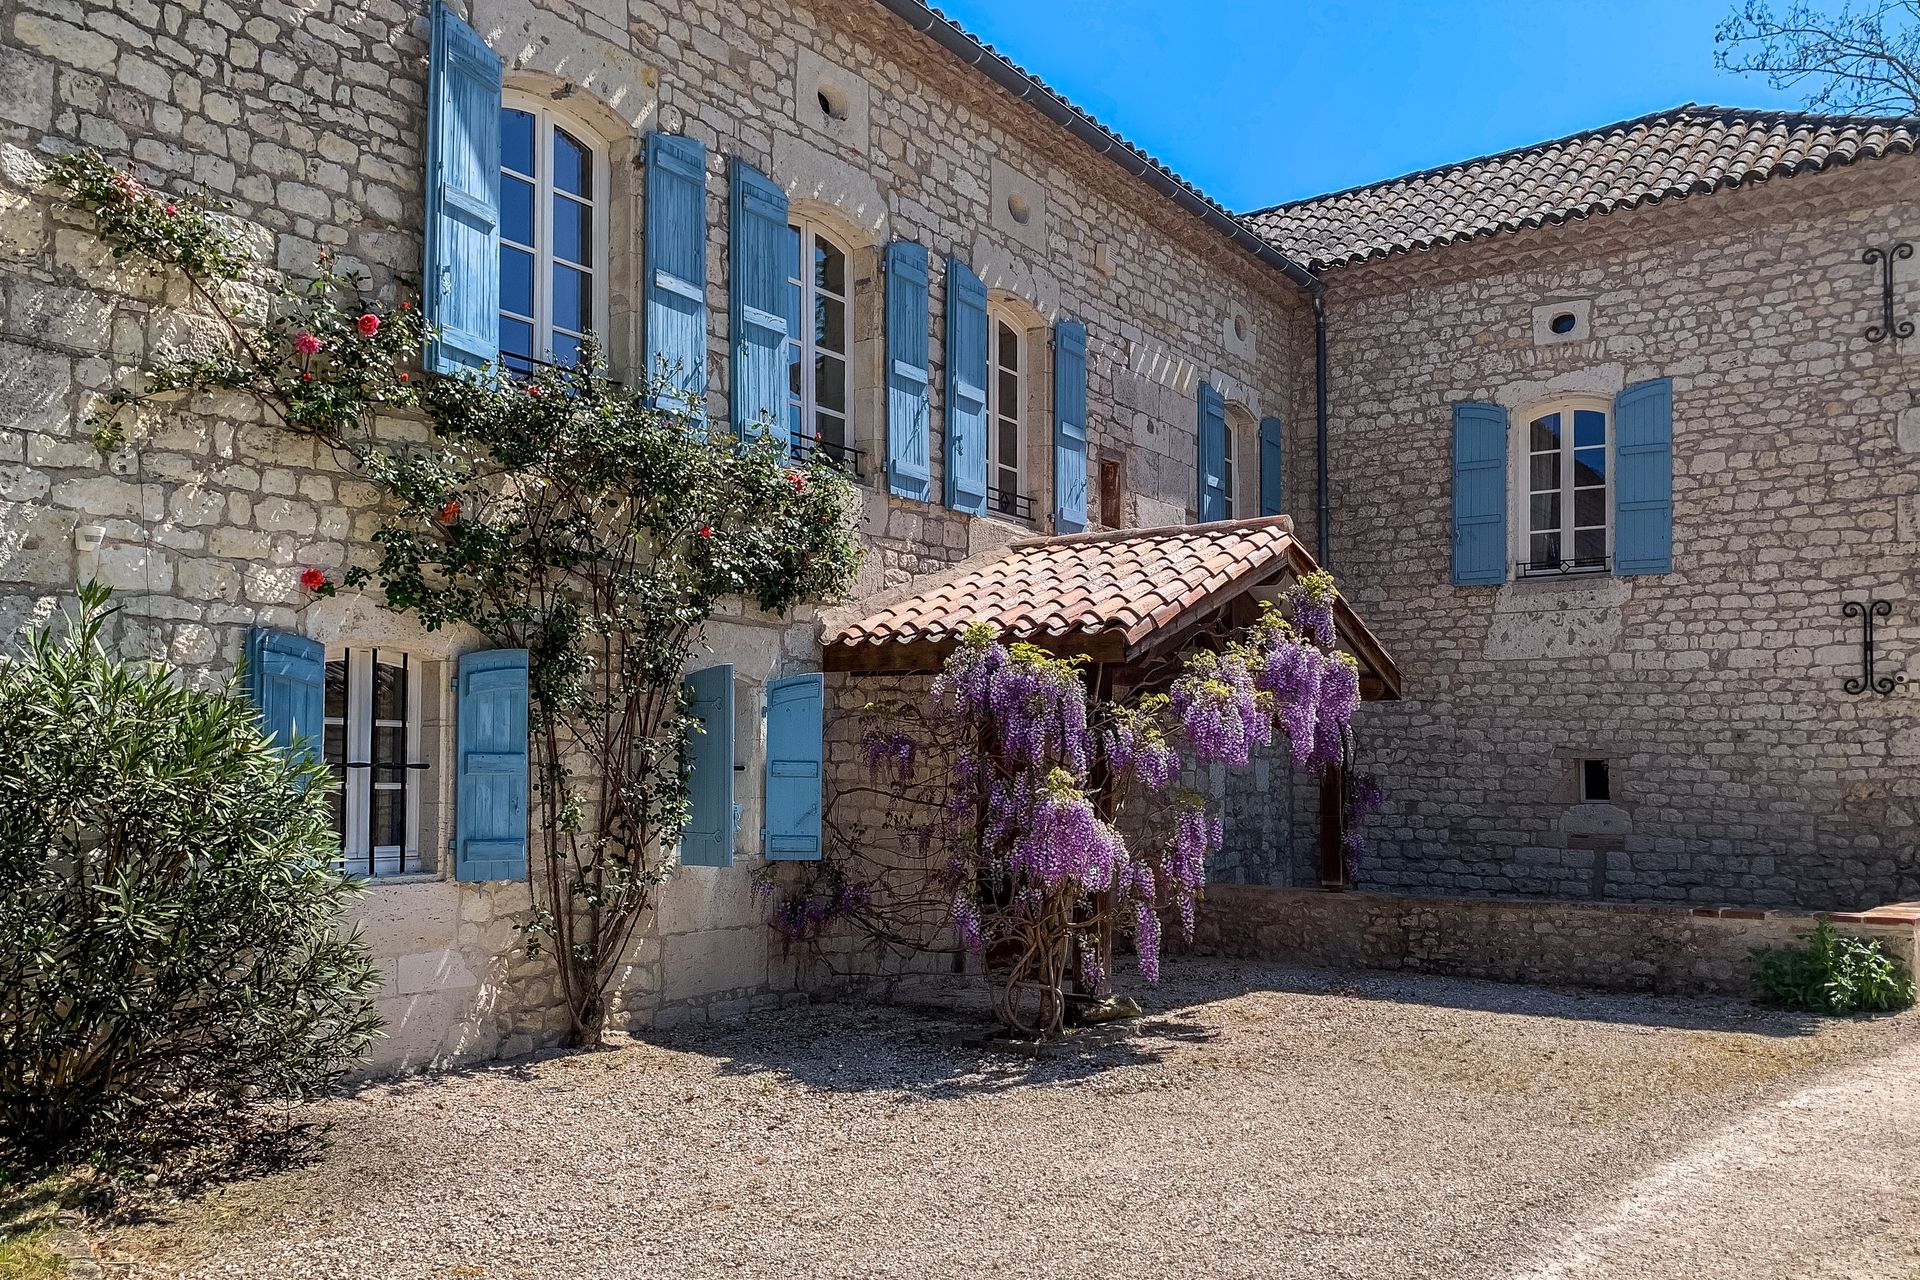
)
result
[(1868, 611), (1896, 252)]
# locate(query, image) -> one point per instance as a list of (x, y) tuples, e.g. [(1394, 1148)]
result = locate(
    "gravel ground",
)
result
[(1260, 1121)]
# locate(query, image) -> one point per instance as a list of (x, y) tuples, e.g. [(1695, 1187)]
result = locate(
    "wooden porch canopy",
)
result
[(1130, 600)]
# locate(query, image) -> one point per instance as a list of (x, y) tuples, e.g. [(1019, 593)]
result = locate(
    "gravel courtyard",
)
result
[(1259, 1122)]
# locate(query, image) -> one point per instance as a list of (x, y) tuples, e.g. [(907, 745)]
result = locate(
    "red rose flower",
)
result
[(450, 512), (369, 324), (706, 531), (171, 210), (306, 377), (533, 391), (405, 376), (313, 579), (798, 481), (406, 305)]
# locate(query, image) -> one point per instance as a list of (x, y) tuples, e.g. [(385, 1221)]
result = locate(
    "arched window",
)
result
[(1229, 468), (372, 741), (1564, 526), (819, 289), (553, 236), (1008, 387)]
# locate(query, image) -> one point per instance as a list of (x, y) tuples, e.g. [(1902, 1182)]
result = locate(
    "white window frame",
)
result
[(807, 340), (545, 121), (1521, 485), (998, 317), (356, 857), (1229, 468)]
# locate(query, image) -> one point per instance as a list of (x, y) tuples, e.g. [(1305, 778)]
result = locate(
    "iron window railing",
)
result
[(1009, 502), (1562, 568), (843, 456)]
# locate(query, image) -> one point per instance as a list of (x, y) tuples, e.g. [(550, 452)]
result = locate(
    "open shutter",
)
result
[(490, 813), (708, 838), (461, 283), (796, 753), (966, 389), (1211, 454), (1069, 427), (757, 323), (1273, 442), (676, 266), (908, 458), (1643, 478), (1479, 495), (287, 680)]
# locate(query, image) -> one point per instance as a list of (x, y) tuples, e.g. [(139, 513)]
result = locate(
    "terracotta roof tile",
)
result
[(1688, 150)]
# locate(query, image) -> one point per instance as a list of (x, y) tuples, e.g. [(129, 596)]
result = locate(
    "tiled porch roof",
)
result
[(1114, 597)]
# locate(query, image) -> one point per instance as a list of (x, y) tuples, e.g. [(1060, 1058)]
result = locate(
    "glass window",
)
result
[(1567, 526), (1229, 471), (818, 390), (1006, 419), (552, 228), (372, 743)]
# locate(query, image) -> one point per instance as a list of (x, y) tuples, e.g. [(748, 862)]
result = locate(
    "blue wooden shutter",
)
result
[(461, 285), (756, 307), (1211, 454), (676, 266), (1070, 427), (708, 838), (909, 464), (287, 680), (796, 756), (490, 771), (1273, 448), (1479, 495), (1643, 478), (966, 389)]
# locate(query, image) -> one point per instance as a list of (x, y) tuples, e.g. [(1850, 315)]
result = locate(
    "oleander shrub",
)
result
[(1833, 973), (170, 920)]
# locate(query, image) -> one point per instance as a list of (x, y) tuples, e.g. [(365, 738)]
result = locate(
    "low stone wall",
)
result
[(1616, 946)]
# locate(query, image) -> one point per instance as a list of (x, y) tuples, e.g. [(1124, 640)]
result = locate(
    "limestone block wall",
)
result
[(1742, 770)]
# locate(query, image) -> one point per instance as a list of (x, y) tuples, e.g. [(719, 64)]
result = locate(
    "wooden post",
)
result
[(1333, 821)]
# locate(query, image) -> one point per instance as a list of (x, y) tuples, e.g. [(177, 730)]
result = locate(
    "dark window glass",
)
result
[(1589, 467), (572, 230), (566, 349), (829, 268), (516, 344), (1545, 551), (388, 825), (1590, 546), (389, 691), (832, 430), (516, 281), (1562, 323), (1545, 468), (830, 323), (1546, 511), (1546, 433), (572, 165), (1589, 428), (572, 298), (516, 209), (1590, 507), (830, 383), (1596, 782), (516, 140), (337, 689), (1009, 347)]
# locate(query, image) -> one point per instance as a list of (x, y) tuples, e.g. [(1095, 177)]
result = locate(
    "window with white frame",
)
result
[(819, 290), (372, 743), (1565, 525), (1229, 467), (1007, 418), (553, 236)]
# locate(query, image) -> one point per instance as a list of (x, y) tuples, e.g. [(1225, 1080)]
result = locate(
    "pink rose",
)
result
[(306, 344), (369, 324)]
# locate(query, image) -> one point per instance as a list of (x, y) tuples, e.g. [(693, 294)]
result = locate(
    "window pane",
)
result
[(831, 429), (572, 299), (1545, 469), (516, 209), (793, 370), (572, 165), (829, 268), (516, 343), (566, 349), (572, 230), (1590, 546), (1009, 347), (793, 255), (830, 383), (516, 140), (1590, 507), (794, 420), (1546, 433), (1009, 392), (337, 689), (1589, 467), (389, 691), (516, 281), (1546, 549), (1589, 428), (389, 749), (1544, 511), (829, 323), (389, 816), (1007, 443)]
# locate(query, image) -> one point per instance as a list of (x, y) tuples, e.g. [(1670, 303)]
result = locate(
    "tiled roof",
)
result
[(1671, 154), (1111, 596)]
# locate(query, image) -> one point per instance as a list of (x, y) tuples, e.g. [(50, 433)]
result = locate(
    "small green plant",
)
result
[(171, 947), (1832, 973)]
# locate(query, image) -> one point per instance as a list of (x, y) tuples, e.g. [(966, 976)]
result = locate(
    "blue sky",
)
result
[(1257, 103)]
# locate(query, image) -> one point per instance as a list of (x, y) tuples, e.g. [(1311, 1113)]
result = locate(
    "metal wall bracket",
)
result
[(1868, 611), (1888, 328)]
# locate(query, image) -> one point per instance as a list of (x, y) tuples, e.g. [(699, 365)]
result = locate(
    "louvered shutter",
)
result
[(490, 769), (796, 755), (1643, 478), (966, 389), (1069, 426), (676, 267), (708, 838), (1211, 454), (461, 283), (287, 681), (1479, 495), (756, 310), (1273, 442), (908, 455)]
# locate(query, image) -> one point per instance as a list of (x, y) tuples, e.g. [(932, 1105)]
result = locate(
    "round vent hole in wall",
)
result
[(1019, 208), (1564, 322), (1240, 328), (833, 103)]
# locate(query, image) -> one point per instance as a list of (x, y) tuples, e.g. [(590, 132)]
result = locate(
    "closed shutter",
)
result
[(490, 813), (1211, 454), (1273, 447), (796, 754), (1643, 478), (1479, 495), (909, 464), (708, 838), (287, 680), (966, 389), (1069, 426), (757, 323), (676, 267), (461, 285)]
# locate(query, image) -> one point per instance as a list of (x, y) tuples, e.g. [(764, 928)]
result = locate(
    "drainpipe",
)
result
[(1323, 503)]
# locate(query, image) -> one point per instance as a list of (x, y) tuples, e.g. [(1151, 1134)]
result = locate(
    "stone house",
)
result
[(1006, 322)]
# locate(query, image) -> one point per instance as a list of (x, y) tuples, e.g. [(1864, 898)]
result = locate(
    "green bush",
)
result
[(1833, 973), (170, 941)]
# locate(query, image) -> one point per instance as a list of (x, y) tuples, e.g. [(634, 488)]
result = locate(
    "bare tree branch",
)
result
[(1862, 59)]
